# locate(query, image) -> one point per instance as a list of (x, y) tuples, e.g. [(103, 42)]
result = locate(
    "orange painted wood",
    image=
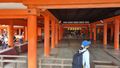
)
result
[(53, 34), (75, 25), (105, 34), (19, 27), (25, 30), (69, 6), (0, 31), (32, 41), (94, 32), (98, 30), (59, 28), (47, 36), (23, 33), (26, 33), (17, 1), (39, 31), (69, 3), (10, 35), (12, 17), (57, 4), (91, 31), (57, 34), (111, 35), (17, 12), (41, 2), (20, 22), (116, 33), (47, 12), (108, 20), (60, 32)]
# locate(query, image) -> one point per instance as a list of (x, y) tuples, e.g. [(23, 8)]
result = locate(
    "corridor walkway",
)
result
[(67, 48)]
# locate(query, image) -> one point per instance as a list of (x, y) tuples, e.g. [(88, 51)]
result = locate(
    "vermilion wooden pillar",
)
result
[(116, 33), (26, 33), (32, 41), (47, 36), (59, 28), (60, 32), (111, 35), (105, 34), (91, 31), (53, 34), (94, 33), (0, 29), (98, 30), (87, 31), (10, 35), (39, 31), (57, 33)]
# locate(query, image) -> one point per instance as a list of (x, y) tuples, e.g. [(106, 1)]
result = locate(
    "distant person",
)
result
[(20, 40), (4, 42), (14, 38)]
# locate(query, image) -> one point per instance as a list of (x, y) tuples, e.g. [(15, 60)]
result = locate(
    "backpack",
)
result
[(77, 60)]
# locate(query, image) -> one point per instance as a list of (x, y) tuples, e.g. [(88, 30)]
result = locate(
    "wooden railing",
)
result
[(15, 59), (58, 62)]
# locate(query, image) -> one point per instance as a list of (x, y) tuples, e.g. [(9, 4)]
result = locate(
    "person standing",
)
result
[(86, 55), (4, 41)]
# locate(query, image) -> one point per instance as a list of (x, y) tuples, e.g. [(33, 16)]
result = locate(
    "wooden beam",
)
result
[(75, 25), (65, 4), (107, 20), (20, 22), (46, 12), (12, 17), (16, 1), (16, 13)]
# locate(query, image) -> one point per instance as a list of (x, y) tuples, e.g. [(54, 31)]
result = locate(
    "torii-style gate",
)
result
[(39, 7)]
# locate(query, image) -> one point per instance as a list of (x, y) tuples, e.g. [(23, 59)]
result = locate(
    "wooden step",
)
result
[(104, 64)]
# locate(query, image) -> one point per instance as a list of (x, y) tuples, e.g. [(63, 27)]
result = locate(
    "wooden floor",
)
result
[(67, 48)]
